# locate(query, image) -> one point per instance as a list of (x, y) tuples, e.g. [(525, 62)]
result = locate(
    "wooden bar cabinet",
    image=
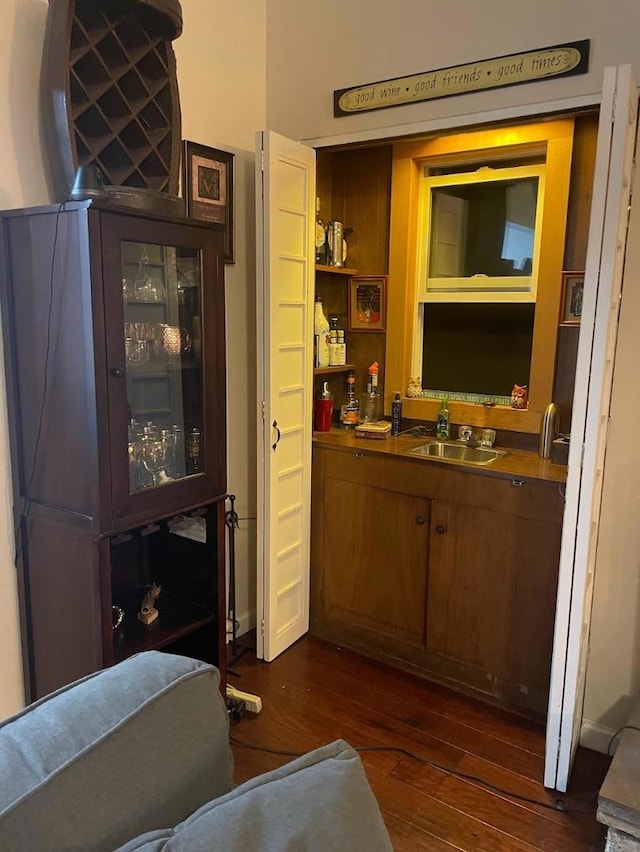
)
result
[(113, 326)]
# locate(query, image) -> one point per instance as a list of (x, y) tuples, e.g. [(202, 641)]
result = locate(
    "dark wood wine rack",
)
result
[(110, 96)]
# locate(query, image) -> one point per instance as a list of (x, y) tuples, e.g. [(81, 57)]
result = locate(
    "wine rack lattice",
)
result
[(121, 99)]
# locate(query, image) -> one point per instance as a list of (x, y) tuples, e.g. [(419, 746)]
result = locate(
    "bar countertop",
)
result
[(517, 463)]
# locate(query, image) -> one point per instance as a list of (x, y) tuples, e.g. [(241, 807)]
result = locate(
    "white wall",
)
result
[(221, 58), (313, 49), (613, 675), (221, 71), (22, 183)]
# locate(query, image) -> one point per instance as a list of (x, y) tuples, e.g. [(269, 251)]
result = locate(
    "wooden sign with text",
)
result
[(562, 60)]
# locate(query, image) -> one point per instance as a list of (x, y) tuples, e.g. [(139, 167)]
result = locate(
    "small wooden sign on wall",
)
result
[(562, 60)]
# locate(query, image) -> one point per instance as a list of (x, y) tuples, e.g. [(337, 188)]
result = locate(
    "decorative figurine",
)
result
[(519, 397), (414, 388), (148, 612)]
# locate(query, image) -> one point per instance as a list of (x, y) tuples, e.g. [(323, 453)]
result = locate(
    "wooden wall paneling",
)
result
[(361, 196), (567, 356), (575, 255), (581, 190)]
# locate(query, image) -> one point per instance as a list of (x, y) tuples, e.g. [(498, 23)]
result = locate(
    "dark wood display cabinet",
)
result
[(113, 325)]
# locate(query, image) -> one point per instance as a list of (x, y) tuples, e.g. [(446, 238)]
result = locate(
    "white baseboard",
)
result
[(595, 736), (246, 622)]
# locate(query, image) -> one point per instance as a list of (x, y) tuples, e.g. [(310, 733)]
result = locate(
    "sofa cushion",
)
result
[(319, 802), (136, 746)]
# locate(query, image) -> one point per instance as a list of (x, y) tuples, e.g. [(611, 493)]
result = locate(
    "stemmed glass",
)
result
[(144, 288), (155, 459)]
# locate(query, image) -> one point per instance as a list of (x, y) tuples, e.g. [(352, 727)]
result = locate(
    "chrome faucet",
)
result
[(485, 439)]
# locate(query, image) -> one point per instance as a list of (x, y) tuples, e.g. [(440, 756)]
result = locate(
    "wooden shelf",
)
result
[(323, 371), (178, 617), (336, 270)]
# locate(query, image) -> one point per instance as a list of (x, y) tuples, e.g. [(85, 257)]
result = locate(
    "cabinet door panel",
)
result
[(164, 322), (492, 583), (375, 547)]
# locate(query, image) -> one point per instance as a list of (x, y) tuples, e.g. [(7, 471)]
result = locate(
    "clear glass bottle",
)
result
[(193, 451), (350, 409), (321, 332), (321, 237), (372, 398)]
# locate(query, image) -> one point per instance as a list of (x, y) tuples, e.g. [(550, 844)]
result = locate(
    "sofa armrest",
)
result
[(126, 750)]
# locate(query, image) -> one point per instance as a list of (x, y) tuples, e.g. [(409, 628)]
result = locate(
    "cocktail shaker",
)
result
[(335, 249), (548, 430)]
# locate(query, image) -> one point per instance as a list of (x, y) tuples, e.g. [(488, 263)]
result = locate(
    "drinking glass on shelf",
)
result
[(144, 288)]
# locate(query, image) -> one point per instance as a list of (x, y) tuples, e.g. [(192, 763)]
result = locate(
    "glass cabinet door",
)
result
[(162, 310), (163, 417)]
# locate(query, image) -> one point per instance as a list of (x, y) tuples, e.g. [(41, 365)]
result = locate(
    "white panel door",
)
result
[(285, 189), (592, 396)]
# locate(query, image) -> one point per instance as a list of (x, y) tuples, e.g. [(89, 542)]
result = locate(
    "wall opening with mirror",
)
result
[(478, 226), (477, 349)]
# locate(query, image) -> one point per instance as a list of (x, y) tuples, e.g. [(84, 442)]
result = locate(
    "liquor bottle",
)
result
[(193, 451), (341, 352), (323, 410), (321, 331), (372, 398), (396, 413), (333, 341), (442, 421), (350, 410), (337, 346), (178, 466), (321, 237)]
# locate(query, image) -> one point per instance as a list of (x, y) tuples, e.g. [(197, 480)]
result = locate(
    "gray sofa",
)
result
[(137, 757)]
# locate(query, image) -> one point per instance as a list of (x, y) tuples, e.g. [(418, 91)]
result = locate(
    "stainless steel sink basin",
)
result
[(458, 453)]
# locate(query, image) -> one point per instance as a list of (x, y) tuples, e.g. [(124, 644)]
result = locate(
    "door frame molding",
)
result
[(538, 108), (454, 122)]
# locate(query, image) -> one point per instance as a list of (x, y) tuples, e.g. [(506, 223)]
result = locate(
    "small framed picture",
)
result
[(572, 296), (367, 303), (207, 181)]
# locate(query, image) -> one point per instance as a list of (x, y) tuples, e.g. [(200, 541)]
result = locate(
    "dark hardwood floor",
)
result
[(316, 692)]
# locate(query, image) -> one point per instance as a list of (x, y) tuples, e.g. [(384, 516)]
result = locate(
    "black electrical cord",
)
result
[(231, 520), (559, 804), (618, 732)]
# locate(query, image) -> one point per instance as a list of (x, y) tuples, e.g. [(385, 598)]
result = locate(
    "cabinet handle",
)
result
[(117, 372), (275, 426), (441, 529), (420, 519), (359, 455), (517, 483)]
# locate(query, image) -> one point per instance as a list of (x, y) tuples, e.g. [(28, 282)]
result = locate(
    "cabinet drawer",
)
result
[(527, 498), (354, 465)]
